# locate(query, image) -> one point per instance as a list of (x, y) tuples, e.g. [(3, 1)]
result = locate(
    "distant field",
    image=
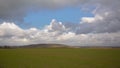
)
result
[(60, 58)]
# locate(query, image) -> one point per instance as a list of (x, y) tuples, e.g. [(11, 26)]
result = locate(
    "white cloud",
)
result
[(9, 29), (87, 20), (102, 39), (18, 36), (66, 36), (55, 26)]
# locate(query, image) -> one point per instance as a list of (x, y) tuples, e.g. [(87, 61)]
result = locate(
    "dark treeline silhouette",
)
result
[(5, 47)]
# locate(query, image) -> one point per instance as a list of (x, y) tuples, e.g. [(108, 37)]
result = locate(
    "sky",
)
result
[(67, 14), (70, 22)]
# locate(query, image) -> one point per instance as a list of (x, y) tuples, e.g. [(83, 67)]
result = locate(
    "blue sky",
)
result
[(68, 14)]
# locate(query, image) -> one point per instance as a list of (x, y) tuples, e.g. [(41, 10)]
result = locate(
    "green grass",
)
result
[(59, 58)]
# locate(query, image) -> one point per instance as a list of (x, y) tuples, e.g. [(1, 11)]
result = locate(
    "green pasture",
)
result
[(60, 58)]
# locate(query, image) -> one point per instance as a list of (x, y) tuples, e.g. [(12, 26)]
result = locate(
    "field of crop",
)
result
[(60, 58)]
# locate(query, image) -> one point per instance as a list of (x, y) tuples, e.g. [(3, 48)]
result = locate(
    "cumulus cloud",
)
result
[(100, 24), (12, 34), (106, 18), (56, 26)]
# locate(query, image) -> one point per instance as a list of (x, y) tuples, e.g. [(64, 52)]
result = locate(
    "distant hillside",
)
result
[(45, 45), (37, 46), (56, 46)]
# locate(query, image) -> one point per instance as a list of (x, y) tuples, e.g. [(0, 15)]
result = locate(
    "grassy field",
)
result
[(59, 58)]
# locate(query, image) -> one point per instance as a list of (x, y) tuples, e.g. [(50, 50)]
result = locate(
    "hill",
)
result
[(37, 46), (55, 46)]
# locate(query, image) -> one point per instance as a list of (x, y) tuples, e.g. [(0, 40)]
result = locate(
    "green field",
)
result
[(59, 58)]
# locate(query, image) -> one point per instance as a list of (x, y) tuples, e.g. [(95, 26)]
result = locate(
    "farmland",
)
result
[(60, 58)]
